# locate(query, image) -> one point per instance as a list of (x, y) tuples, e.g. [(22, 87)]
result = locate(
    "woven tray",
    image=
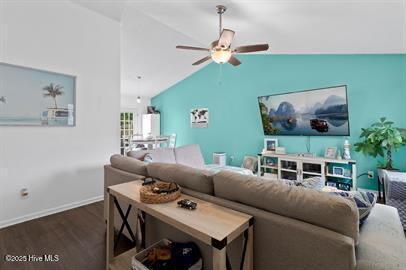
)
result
[(148, 196)]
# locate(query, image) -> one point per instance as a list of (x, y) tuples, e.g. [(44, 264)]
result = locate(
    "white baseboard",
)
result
[(48, 212)]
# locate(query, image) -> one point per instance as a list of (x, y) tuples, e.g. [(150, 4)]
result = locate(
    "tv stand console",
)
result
[(339, 173)]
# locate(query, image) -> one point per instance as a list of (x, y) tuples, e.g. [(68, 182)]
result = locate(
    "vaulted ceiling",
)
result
[(151, 30)]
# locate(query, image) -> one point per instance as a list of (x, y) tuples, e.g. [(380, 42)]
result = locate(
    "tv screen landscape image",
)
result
[(317, 112)]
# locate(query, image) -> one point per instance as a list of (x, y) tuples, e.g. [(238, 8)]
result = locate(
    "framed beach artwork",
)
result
[(33, 97)]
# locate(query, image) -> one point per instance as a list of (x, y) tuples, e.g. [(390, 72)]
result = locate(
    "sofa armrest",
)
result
[(113, 176)]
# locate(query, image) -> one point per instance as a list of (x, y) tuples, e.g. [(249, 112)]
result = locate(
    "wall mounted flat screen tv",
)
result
[(316, 112)]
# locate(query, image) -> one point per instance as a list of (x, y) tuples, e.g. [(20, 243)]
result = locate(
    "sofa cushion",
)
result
[(315, 207), (382, 243), (128, 164), (190, 155), (312, 182), (195, 179)]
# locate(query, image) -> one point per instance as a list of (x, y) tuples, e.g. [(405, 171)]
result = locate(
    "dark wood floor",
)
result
[(77, 236)]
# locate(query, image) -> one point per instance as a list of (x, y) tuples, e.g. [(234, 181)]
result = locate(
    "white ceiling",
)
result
[(151, 29), (148, 49)]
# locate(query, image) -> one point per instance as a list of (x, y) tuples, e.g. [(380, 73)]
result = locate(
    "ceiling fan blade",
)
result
[(201, 60), (234, 61), (191, 48), (251, 48), (226, 38)]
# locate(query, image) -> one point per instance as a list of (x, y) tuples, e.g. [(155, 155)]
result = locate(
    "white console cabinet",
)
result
[(336, 172), (297, 170)]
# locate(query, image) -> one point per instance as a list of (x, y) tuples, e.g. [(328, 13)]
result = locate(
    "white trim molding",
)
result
[(47, 212)]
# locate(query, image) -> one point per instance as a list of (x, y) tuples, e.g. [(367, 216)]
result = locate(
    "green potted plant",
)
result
[(381, 139)]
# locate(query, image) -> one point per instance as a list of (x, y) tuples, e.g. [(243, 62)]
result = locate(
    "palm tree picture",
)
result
[(34, 97), (53, 91)]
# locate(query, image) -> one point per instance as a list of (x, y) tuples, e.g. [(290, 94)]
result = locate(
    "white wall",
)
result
[(61, 166)]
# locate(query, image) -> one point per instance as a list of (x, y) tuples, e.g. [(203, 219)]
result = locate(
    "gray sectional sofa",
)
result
[(188, 155), (294, 227)]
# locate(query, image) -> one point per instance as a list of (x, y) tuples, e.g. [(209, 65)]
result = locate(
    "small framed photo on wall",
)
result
[(270, 144), (199, 118), (331, 152)]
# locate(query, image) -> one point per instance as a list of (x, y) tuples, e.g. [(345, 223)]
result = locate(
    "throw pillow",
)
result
[(142, 157), (364, 200), (312, 182), (147, 158)]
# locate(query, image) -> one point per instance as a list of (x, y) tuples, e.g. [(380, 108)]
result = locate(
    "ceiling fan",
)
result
[(220, 50)]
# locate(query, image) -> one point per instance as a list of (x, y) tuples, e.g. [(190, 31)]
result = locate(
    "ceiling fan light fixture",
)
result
[(220, 56), (220, 49)]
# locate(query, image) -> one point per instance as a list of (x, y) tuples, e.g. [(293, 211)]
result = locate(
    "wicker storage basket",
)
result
[(137, 262), (148, 196)]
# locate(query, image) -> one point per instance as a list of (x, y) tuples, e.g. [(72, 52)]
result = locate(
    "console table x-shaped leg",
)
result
[(125, 224)]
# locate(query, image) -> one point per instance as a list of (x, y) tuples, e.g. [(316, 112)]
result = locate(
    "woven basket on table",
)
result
[(148, 196)]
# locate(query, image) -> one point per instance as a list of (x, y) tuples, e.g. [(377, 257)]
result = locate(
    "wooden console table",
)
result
[(210, 223)]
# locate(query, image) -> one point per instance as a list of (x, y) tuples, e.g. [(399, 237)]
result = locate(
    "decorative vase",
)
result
[(339, 156), (347, 154)]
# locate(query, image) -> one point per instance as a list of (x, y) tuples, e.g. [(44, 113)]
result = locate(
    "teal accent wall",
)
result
[(376, 87)]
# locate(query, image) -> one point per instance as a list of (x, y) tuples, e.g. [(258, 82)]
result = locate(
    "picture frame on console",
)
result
[(338, 171), (330, 152), (270, 144)]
